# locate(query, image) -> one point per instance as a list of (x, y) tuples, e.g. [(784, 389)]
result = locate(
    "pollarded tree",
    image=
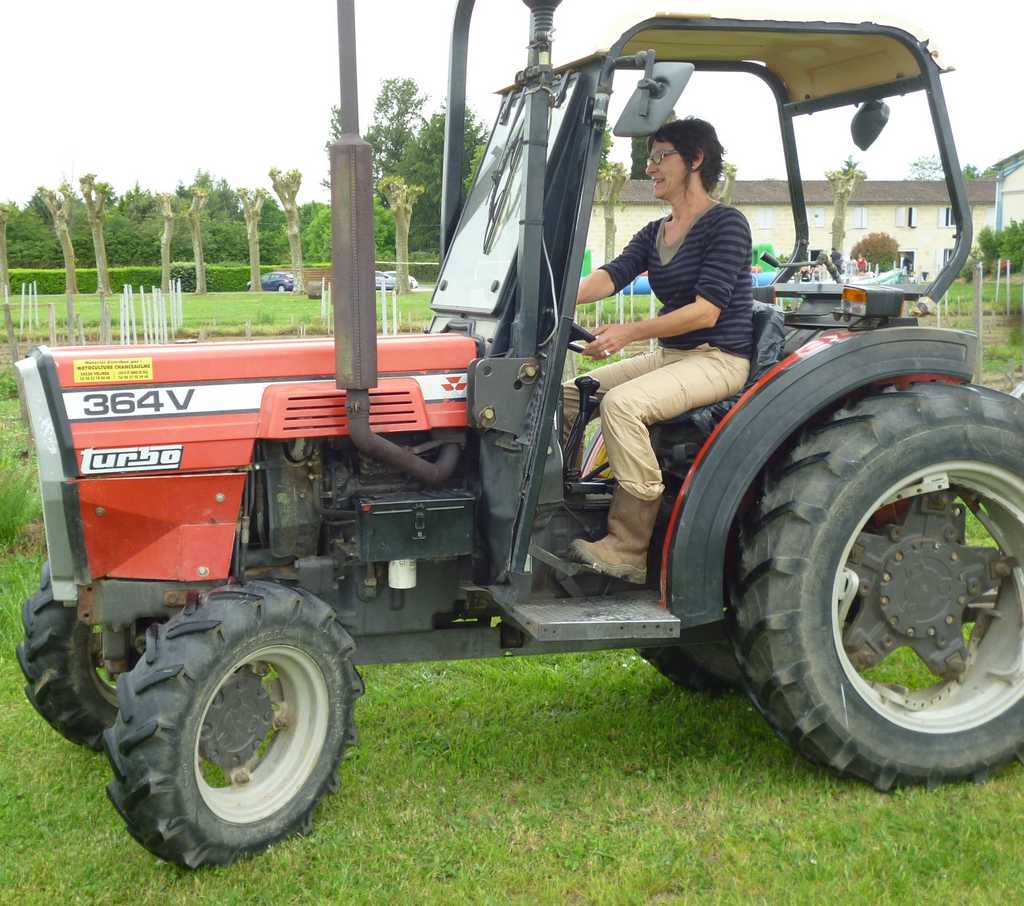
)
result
[(611, 177), (725, 188), (843, 183), (7, 211), (401, 198), (96, 195), (167, 208), (59, 208), (195, 210), (286, 185), (252, 205)]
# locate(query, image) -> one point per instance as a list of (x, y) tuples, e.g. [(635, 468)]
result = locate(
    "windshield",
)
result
[(488, 235)]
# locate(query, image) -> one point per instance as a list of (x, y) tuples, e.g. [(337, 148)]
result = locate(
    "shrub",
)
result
[(877, 248), (1011, 244), (220, 278), (19, 502)]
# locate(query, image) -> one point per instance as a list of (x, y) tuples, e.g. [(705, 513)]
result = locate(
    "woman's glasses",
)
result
[(658, 156)]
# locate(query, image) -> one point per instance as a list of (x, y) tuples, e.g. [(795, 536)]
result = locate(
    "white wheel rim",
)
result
[(278, 773), (994, 679)]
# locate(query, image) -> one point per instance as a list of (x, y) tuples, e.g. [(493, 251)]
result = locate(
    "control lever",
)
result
[(587, 388)]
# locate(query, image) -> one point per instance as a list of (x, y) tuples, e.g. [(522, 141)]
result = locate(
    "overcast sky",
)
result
[(147, 92)]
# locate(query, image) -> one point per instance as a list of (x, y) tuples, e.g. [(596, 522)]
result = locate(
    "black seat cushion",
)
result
[(768, 340)]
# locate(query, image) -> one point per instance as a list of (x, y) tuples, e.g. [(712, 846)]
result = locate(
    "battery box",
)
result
[(415, 526)]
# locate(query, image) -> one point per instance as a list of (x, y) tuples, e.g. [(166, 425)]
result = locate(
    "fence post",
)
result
[(71, 317), (52, 314), (979, 322), (12, 343)]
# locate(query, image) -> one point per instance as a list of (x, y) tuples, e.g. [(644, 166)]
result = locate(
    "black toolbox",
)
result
[(420, 525)]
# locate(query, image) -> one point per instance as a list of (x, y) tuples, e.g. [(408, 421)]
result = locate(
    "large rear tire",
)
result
[(874, 637), (709, 668), (232, 725), (61, 661)]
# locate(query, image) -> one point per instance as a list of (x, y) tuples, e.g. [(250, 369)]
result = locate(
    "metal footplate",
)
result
[(631, 615)]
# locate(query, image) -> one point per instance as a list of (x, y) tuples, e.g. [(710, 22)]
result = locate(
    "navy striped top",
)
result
[(713, 261)]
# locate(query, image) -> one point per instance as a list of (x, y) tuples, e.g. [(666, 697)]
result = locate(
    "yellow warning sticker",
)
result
[(110, 371)]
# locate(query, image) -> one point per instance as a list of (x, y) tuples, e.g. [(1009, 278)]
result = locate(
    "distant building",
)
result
[(1009, 190), (915, 213)]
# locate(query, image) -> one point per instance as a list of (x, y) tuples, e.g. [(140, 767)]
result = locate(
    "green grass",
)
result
[(574, 779)]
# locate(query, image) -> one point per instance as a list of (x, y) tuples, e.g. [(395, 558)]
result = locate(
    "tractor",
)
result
[(234, 528)]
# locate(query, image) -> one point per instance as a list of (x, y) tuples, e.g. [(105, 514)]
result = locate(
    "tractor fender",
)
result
[(695, 553)]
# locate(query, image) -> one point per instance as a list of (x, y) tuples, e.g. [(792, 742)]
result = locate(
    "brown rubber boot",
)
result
[(623, 551)]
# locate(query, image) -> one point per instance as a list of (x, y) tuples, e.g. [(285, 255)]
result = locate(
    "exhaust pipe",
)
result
[(383, 450), (352, 259)]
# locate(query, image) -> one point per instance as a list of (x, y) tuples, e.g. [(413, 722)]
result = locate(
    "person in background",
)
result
[(698, 263), (862, 264), (837, 259)]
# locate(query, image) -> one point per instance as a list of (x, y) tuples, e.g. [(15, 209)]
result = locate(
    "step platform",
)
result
[(628, 615)]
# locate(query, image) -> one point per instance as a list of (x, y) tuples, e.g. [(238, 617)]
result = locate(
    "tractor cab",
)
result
[(513, 246)]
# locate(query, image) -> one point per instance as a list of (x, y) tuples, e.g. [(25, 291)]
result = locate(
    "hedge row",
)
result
[(220, 278)]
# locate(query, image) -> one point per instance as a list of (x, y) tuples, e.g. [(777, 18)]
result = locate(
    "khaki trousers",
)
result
[(650, 388)]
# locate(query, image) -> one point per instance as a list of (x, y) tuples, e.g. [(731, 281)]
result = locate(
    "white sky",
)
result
[(135, 90)]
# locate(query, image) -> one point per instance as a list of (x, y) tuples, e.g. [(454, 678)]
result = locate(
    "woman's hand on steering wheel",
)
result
[(608, 340)]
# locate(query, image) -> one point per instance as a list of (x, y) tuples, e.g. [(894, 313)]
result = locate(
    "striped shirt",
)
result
[(713, 262)]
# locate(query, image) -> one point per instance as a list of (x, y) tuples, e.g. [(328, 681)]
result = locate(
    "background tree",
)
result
[(286, 185), (843, 182), (724, 190), (611, 177), (877, 248), (167, 209), (401, 197), (926, 167), (195, 210), (970, 171), (397, 118), (7, 211), (252, 205), (422, 164), (96, 196), (638, 157), (59, 208)]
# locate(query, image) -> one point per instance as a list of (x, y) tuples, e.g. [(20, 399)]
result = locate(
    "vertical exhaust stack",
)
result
[(352, 248)]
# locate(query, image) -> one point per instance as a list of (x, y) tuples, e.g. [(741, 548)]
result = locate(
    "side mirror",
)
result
[(868, 123), (653, 100)]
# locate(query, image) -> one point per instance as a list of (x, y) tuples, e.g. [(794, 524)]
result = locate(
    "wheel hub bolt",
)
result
[(280, 721), (949, 619), (884, 600), (954, 556), (931, 630), (910, 631), (936, 545), (893, 621), (899, 556), (240, 776), (886, 577)]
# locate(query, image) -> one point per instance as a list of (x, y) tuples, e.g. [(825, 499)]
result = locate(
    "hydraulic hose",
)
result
[(391, 454)]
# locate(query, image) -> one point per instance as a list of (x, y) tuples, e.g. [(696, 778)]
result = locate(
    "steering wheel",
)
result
[(578, 333)]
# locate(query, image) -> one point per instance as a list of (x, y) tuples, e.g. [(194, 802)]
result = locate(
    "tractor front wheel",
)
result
[(61, 659), (232, 724), (880, 620)]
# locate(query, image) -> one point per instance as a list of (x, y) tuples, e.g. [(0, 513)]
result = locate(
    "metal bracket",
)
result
[(500, 391)]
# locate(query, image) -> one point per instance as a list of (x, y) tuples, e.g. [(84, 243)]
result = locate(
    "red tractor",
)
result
[(233, 529)]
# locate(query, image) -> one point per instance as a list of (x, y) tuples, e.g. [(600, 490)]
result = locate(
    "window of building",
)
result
[(765, 218), (860, 217), (817, 217), (946, 217)]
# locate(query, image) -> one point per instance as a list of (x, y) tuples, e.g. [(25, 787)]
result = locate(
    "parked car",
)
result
[(393, 277), (384, 280), (275, 281)]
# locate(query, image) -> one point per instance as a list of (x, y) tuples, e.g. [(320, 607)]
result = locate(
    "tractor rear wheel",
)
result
[(232, 724), (709, 668), (60, 657), (880, 620)]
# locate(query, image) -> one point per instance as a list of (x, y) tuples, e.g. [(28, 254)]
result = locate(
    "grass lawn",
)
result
[(572, 779)]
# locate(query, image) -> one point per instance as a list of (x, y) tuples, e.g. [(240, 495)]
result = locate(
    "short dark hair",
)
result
[(691, 137)]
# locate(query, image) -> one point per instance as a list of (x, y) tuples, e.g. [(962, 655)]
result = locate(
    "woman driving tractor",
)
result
[(698, 262)]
